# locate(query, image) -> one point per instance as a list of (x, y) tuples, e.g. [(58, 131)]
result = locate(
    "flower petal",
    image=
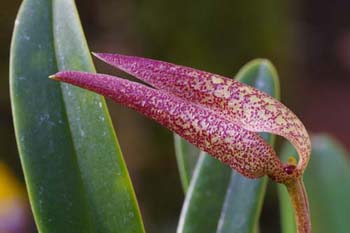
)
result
[(246, 106), (241, 149)]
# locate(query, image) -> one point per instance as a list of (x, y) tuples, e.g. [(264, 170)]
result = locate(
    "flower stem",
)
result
[(298, 196)]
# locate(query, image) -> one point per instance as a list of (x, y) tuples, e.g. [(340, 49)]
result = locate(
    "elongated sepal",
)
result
[(246, 106), (241, 149)]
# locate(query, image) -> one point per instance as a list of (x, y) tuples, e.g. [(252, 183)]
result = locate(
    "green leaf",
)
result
[(186, 157), (327, 183), (261, 74), (244, 197), (205, 196), (75, 173), (232, 201)]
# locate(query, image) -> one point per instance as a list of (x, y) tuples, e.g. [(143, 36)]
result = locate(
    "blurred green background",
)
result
[(308, 41)]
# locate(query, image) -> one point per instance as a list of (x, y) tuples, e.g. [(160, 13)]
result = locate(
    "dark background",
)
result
[(308, 41)]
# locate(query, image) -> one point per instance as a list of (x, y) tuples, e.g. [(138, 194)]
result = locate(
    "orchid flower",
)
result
[(219, 115)]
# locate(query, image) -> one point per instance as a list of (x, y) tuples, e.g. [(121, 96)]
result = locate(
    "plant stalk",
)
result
[(298, 196)]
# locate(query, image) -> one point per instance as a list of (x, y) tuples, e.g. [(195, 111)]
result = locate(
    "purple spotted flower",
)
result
[(219, 115)]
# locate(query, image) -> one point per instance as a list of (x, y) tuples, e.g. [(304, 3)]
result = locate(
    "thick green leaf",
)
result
[(242, 205), (76, 177), (205, 196), (235, 201), (186, 157), (244, 197), (327, 182)]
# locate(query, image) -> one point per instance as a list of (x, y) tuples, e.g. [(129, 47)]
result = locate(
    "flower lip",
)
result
[(289, 169)]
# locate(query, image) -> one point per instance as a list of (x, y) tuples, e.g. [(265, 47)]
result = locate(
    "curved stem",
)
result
[(298, 196)]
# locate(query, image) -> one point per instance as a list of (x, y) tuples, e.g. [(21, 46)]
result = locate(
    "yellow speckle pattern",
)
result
[(216, 80)]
